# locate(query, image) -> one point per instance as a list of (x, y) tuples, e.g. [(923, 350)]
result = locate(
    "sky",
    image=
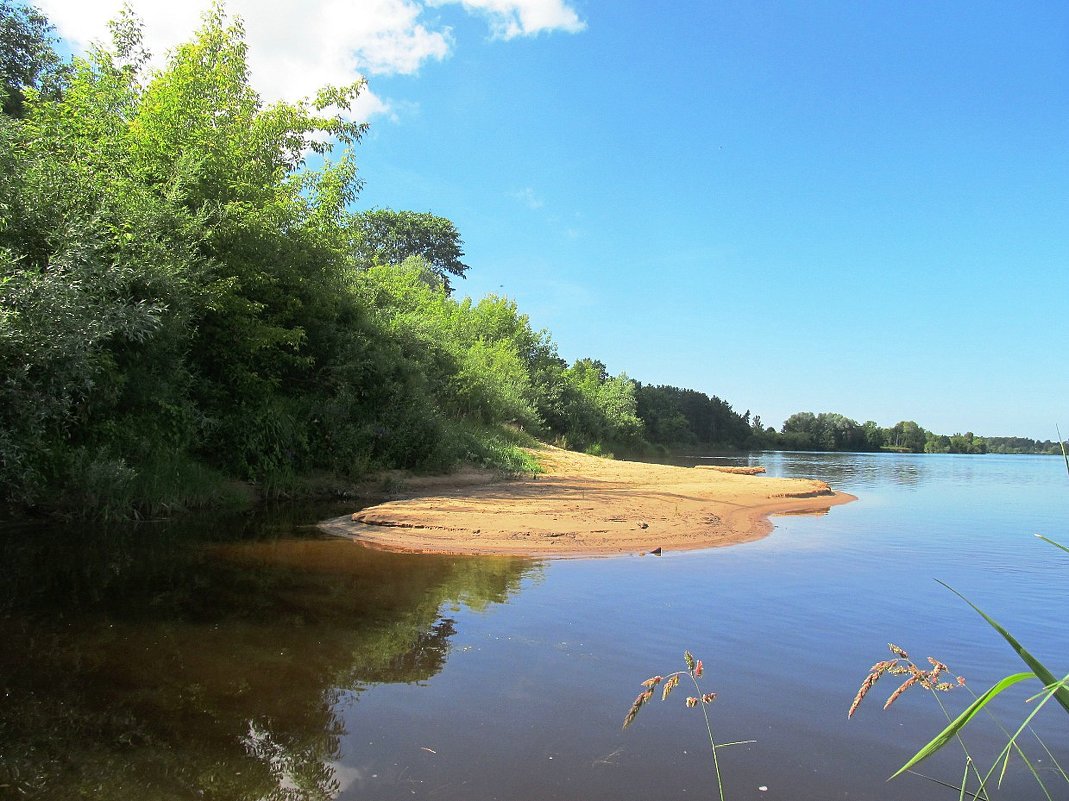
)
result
[(823, 206)]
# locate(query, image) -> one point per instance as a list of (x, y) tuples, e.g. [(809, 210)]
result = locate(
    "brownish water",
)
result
[(252, 659)]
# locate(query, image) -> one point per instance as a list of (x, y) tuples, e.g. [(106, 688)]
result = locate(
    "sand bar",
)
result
[(585, 506)]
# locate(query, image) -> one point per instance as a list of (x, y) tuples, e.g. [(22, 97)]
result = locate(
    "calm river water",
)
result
[(252, 659)]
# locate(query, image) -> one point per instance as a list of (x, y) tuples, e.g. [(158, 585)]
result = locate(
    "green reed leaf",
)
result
[(1062, 693), (1052, 542), (947, 734)]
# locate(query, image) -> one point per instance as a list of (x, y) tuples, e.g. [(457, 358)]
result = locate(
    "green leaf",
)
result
[(947, 734), (1048, 678), (1052, 542)]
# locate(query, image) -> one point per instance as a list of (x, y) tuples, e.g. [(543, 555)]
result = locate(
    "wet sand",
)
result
[(586, 506)]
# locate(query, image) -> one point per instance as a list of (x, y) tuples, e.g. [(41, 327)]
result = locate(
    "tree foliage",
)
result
[(386, 236), (28, 61), (175, 280), (686, 418), (181, 291), (828, 431)]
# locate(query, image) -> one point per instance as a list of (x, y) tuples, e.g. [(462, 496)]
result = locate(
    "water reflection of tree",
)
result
[(150, 665)]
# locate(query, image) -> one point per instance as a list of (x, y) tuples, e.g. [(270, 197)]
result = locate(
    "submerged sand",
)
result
[(586, 505)]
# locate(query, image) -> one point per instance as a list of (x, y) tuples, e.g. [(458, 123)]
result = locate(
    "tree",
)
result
[(175, 284), (386, 236), (616, 401), (907, 434), (937, 443), (875, 436), (92, 293), (27, 59), (661, 410), (801, 430)]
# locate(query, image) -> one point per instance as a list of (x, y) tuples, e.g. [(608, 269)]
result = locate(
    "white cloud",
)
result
[(297, 46), (512, 18)]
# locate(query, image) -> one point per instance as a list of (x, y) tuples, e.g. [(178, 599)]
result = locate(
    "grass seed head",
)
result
[(669, 686), (632, 713), (688, 657), (903, 666), (866, 685), (938, 668), (901, 689)]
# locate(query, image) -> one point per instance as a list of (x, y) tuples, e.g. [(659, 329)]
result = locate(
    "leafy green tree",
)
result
[(172, 283), (875, 436), (274, 245), (499, 318), (661, 410), (967, 443), (599, 409), (686, 418), (908, 435), (389, 237), (937, 443), (1021, 445), (762, 437), (616, 402), (801, 431), (471, 358), (94, 267), (846, 434), (28, 60)]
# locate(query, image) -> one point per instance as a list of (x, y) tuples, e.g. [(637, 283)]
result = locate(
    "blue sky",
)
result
[(851, 207)]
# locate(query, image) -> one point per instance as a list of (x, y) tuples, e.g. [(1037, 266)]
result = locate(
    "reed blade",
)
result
[(956, 725), (1044, 675), (1052, 542)]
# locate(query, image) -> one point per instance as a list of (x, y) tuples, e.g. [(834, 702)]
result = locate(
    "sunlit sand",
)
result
[(586, 505)]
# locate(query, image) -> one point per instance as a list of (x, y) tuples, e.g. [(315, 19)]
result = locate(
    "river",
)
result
[(253, 659)]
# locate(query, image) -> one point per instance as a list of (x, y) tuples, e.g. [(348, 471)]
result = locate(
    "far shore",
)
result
[(586, 506)]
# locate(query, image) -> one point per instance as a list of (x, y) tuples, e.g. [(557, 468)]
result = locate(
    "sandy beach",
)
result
[(586, 505)]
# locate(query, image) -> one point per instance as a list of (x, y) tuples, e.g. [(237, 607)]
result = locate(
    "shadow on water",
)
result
[(208, 659)]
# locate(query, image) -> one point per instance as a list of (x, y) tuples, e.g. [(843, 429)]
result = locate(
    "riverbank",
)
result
[(585, 505)]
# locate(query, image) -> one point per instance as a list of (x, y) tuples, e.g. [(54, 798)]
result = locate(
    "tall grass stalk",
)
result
[(1061, 444), (694, 671), (901, 665)]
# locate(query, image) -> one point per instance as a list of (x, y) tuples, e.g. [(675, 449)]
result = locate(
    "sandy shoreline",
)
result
[(586, 506)]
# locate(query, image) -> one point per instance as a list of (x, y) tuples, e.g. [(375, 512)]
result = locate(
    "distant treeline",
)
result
[(686, 420), (829, 431)]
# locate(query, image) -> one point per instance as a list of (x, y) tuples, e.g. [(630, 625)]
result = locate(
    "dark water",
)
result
[(252, 659)]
